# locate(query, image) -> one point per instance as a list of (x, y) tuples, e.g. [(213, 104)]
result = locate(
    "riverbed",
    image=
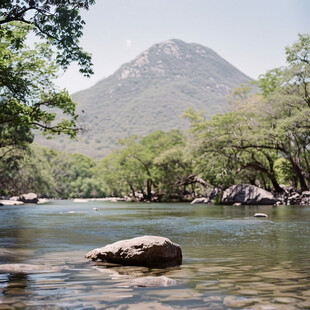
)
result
[(231, 260)]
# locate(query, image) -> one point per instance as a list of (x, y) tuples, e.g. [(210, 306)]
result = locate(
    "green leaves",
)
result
[(151, 165), (58, 22), (27, 92), (261, 129)]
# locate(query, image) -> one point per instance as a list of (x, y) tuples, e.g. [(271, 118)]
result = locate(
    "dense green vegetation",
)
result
[(29, 98), (264, 140), (56, 22)]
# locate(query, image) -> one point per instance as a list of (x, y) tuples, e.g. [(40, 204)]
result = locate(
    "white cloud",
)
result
[(129, 43)]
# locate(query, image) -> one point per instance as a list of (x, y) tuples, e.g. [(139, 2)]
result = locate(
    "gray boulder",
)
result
[(305, 198), (247, 194), (29, 198), (140, 251)]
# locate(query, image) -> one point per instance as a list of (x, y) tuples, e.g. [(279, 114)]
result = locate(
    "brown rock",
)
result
[(140, 251)]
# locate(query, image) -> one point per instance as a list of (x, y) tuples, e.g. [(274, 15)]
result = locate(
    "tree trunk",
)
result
[(149, 190), (299, 173)]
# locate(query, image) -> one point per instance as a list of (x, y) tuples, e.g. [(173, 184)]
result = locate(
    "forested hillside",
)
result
[(151, 93), (263, 139)]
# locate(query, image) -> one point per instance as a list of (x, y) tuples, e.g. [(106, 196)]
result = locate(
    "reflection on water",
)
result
[(230, 259)]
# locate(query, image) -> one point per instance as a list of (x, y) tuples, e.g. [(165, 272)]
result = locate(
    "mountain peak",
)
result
[(172, 59), (150, 62), (151, 92), (170, 47)]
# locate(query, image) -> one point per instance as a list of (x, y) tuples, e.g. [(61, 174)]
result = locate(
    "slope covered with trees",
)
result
[(151, 93), (264, 140)]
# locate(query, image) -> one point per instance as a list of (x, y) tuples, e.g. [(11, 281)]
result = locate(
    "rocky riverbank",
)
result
[(22, 199), (246, 194), (242, 194), (33, 198)]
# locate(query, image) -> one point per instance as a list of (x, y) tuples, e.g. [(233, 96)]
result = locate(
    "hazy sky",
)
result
[(250, 34)]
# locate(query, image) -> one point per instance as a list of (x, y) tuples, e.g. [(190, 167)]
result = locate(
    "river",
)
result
[(231, 260)]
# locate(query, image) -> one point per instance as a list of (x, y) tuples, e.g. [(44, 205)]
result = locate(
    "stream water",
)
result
[(231, 260)]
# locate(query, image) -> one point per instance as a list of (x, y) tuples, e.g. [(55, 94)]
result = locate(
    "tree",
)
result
[(289, 109), (261, 128), (58, 22), (28, 97), (149, 166)]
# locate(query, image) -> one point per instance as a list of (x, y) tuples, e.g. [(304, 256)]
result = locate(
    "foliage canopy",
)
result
[(58, 22)]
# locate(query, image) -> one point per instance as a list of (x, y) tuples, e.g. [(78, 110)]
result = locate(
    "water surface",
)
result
[(231, 260)]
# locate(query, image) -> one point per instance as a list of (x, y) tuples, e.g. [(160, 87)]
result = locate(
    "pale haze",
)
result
[(251, 35)]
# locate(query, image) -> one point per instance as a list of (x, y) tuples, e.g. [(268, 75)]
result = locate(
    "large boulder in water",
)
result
[(247, 195), (140, 251), (29, 198)]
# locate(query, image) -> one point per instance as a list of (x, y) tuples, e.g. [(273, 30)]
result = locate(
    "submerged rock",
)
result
[(25, 268), (247, 194), (151, 282), (200, 200), (80, 200), (140, 251), (260, 215), (237, 302)]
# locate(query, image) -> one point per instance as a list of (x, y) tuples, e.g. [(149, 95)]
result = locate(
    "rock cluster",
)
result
[(140, 251), (246, 194), (20, 200), (292, 196)]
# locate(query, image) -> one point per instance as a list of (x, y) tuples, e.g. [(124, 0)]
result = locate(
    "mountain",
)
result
[(151, 92)]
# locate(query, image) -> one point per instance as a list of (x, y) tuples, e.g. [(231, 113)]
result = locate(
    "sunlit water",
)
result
[(231, 260)]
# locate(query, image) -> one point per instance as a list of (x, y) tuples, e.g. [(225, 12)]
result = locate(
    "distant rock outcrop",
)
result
[(293, 196), (247, 194), (29, 198), (140, 251)]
